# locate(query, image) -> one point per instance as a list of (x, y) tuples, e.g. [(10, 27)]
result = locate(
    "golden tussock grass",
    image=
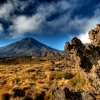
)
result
[(22, 79)]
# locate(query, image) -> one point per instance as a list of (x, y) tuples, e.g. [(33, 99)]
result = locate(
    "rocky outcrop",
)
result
[(85, 58), (78, 54), (94, 36), (84, 55), (67, 94)]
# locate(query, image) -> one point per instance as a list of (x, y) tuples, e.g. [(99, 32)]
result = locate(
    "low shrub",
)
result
[(60, 75), (65, 75), (77, 81)]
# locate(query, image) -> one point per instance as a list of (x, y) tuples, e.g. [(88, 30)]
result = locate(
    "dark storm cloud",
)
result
[(3, 1)]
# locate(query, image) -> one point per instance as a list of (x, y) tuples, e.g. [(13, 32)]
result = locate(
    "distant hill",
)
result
[(28, 47)]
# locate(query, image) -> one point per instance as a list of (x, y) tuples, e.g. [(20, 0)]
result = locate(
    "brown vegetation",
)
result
[(31, 78)]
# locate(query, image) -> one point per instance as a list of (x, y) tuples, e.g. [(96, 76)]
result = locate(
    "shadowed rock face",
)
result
[(28, 47), (78, 54)]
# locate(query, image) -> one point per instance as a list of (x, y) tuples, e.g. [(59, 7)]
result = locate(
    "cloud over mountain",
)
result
[(73, 17), (38, 22)]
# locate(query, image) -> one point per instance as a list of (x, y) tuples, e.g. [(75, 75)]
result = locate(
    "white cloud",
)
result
[(10, 6), (91, 24), (5, 10), (59, 23), (63, 5), (84, 25), (52, 8), (21, 5), (23, 24), (84, 37)]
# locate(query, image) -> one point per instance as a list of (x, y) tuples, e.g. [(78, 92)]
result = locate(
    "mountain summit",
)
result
[(28, 47)]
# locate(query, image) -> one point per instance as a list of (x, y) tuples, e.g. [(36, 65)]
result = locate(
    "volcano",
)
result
[(28, 47)]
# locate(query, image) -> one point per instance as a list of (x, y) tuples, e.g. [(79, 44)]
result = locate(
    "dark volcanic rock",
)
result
[(28, 47), (78, 54), (67, 94)]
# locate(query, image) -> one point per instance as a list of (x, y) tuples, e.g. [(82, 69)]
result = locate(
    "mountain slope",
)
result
[(28, 47)]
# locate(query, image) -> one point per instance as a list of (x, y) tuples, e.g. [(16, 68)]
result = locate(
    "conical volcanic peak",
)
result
[(28, 47), (29, 40)]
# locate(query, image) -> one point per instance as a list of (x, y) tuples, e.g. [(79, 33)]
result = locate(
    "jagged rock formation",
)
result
[(85, 58), (78, 54), (84, 55)]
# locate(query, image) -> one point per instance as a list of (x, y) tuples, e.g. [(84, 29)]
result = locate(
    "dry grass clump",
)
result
[(30, 70), (59, 75), (77, 82)]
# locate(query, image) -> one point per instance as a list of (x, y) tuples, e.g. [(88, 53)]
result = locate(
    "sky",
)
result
[(51, 22)]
